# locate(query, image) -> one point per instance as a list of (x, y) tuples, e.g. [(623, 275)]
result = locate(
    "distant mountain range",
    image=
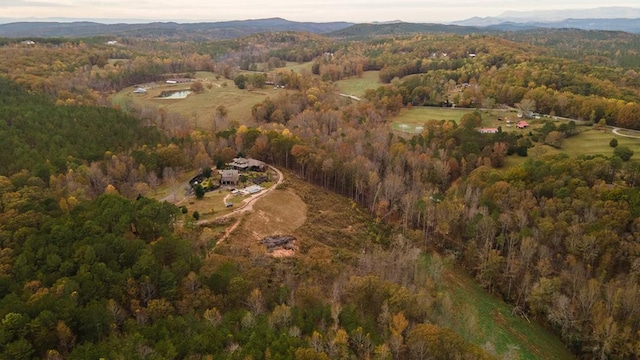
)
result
[(209, 30), (626, 25), (603, 18), (398, 28), (606, 18)]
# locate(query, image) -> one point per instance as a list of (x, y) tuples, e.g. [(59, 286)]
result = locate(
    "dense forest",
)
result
[(91, 266)]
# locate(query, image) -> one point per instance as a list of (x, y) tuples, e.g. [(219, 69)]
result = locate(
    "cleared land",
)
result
[(212, 205), (280, 212), (594, 142), (412, 120), (298, 67), (200, 108), (359, 85), (589, 142)]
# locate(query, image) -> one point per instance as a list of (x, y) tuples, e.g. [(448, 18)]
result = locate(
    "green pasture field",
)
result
[(359, 85), (200, 108), (298, 67), (412, 120), (594, 142), (495, 322), (589, 142)]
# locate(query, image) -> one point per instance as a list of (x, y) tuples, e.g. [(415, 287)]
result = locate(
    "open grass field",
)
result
[(212, 204), (298, 67), (359, 85), (497, 324), (200, 108), (588, 142), (411, 121), (594, 142)]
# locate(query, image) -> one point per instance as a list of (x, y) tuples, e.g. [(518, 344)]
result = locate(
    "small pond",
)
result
[(174, 94)]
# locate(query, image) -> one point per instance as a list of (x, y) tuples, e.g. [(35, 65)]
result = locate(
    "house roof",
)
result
[(489, 130), (243, 163), (230, 174)]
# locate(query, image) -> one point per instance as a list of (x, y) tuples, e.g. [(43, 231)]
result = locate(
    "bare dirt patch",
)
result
[(279, 212)]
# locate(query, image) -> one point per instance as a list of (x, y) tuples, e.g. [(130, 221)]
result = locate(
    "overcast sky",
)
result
[(296, 10)]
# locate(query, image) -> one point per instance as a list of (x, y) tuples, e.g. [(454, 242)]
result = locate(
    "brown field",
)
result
[(280, 212)]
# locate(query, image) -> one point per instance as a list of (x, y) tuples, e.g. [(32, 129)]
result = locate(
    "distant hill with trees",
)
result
[(207, 30), (399, 28)]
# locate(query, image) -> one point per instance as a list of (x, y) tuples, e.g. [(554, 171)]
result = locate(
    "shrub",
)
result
[(623, 153), (197, 87), (522, 150), (199, 191), (613, 143)]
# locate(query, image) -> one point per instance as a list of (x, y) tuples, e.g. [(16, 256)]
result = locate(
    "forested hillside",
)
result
[(92, 266), (47, 139)]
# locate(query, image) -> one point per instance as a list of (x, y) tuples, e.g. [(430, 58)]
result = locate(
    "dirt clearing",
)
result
[(279, 212)]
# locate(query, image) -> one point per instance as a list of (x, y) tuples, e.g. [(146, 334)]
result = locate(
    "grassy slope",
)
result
[(281, 212), (592, 142), (359, 85), (497, 325), (298, 67), (315, 216), (588, 142)]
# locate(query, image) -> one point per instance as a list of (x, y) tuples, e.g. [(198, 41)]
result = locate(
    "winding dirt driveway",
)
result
[(247, 204)]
